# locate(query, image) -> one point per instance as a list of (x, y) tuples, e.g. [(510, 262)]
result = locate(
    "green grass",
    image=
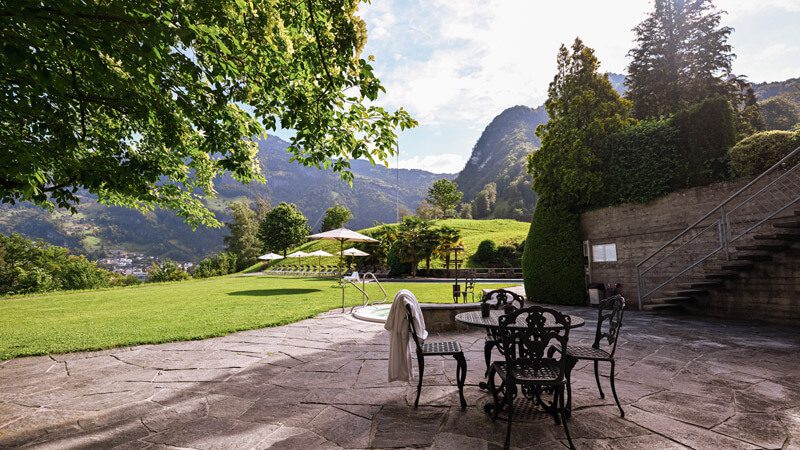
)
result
[(501, 231), (92, 320)]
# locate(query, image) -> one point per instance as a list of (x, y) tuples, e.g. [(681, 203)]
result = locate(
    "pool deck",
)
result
[(321, 383)]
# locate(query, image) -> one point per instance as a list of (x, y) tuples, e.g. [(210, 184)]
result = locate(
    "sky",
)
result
[(455, 65)]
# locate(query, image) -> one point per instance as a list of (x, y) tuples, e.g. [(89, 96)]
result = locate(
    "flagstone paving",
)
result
[(321, 383)]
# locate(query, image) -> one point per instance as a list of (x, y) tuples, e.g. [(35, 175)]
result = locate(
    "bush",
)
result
[(485, 253), (221, 264), (166, 271), (641, 163), (757, 153), (780, 113), (28, 266), (706, 132), (396, 266), (552, 262)]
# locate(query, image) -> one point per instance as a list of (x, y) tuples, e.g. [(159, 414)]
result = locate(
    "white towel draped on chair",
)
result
[(399, 339)]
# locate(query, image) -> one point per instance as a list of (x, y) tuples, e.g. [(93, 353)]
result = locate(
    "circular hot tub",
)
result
[(373, 313)]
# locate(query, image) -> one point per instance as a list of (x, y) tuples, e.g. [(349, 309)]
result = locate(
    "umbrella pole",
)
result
[(341, 275)]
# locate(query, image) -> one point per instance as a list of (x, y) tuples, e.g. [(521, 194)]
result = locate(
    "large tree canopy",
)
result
[(682, 57), (584, 111), (144, 103)]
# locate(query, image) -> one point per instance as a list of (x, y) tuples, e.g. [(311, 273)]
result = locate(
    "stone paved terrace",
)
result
[(321, 383)]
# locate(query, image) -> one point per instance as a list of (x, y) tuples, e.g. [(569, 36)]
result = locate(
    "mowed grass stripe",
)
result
[(155, 313)]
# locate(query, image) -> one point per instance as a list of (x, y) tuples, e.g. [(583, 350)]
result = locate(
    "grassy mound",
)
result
[(472, 232)]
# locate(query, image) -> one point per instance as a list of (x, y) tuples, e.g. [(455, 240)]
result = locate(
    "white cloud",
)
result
[(456, 64), (441, 163)]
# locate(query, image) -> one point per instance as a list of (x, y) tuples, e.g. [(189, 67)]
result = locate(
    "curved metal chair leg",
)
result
[(510, 404), (461, 376), (421, 363), (487, 354), (597, 378), (493, 389), (563, 411), (614, 391), (569, 393)]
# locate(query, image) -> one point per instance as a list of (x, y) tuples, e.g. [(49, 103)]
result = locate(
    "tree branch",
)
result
[(310, 4)]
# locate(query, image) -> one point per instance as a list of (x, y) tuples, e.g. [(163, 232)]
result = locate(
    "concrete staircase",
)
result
[(746, 231), (783, 235)]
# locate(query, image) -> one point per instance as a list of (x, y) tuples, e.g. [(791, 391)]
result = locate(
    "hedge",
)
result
[(552, 263), (757, 153), (642, 162), (706, 131)]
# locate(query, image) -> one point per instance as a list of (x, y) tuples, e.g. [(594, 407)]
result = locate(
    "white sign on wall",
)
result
[(604, 253)]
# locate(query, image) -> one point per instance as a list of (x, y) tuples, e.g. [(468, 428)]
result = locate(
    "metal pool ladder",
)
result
[(364, 296)]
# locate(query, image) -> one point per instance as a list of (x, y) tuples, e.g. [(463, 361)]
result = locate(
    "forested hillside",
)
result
[(98, 229)]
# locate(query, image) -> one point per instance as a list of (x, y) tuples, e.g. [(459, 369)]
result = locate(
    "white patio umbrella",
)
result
[(342, 235), (298, 254), (319, 254), (354, 252), (270, 257)]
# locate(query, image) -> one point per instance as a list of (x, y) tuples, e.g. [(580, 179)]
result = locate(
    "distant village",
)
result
[(132, 263)]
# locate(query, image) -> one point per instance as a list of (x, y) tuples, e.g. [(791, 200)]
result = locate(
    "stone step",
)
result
[(722, 275), (666, 307), (753, 256), (777, 237), (672, 299), (738, 266), (787, 224), (691, 292), (701, 284), (765, 246)]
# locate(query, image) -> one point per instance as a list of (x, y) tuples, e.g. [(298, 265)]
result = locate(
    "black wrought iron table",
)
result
[(475, 319), (492, 325)]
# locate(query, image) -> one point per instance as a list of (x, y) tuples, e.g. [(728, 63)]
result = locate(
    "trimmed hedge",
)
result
[(757, 153), (706, 131), (642, 162), (552, 263)]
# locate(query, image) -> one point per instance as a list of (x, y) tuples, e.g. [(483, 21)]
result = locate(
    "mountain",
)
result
[(495, 180), (788, 88), (98, 230)]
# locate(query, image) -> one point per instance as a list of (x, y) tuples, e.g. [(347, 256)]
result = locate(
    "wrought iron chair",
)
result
[(502, 298), (525, 343), (446, 348), (609, 321)]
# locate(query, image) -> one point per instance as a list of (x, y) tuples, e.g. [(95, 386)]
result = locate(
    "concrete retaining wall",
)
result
[(638, 230)]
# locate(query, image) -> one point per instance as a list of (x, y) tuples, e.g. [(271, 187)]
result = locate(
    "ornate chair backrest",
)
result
[(503, 297), (531, 336), (609, 321), (412, 329)]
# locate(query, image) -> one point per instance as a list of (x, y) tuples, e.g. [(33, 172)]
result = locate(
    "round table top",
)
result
[(474, 318)]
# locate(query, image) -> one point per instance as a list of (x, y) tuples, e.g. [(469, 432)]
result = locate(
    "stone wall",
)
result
[(639, 230), (771, 292)]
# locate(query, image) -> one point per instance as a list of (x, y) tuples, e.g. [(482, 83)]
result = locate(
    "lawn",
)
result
[(195, 309), (501, 231)]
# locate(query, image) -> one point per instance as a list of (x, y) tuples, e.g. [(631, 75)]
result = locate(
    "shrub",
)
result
[(552, 262), (757, 153), (780, 113), (396, 266), (641, 163), (707, 131), (166, 271), (221, 264), (28, 266), (485, 253)]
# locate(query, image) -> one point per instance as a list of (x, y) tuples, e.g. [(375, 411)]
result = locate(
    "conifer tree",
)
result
[(584, 111), (682, 58)]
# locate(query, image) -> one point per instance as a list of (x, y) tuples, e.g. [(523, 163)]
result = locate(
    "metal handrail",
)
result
[(363, 290), (723, 223)]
